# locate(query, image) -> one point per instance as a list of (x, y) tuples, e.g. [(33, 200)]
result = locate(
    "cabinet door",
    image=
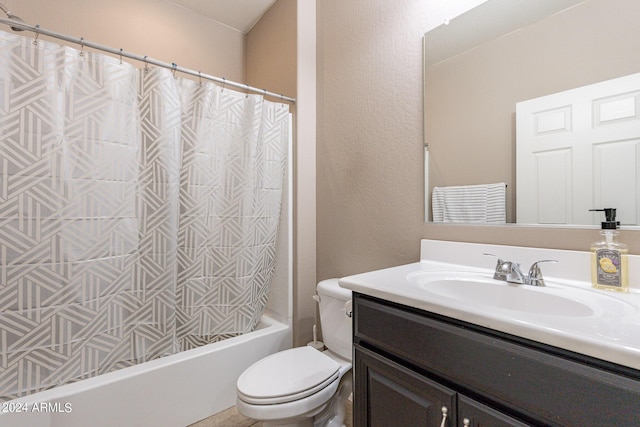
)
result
[(389, 395), (475, 414)]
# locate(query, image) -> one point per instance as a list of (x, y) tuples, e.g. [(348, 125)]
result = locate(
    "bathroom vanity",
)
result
[(429, 350)]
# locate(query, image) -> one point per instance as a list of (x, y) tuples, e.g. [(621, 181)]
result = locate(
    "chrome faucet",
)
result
[(509, 271)]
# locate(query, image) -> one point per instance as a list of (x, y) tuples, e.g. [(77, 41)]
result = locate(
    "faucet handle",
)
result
[(498, 274), (507, 271), (512, 272), (535, 274)]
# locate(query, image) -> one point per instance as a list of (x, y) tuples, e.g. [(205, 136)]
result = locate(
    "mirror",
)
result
[(504, 52)]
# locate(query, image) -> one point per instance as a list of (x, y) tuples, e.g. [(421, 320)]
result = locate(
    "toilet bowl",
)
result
[(303, 386)]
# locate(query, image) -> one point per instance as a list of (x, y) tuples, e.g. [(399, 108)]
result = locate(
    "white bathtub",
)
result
[(173, 391)]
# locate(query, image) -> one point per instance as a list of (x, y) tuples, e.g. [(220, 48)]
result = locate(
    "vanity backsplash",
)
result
[(570, 265)]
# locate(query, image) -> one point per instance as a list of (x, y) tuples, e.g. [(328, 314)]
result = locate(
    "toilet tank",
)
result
[(336, 325)]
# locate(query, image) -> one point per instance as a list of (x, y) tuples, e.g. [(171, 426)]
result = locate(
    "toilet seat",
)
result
[(287, 376)]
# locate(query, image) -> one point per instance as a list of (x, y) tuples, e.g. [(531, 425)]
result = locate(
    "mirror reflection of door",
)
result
[(578, 150)]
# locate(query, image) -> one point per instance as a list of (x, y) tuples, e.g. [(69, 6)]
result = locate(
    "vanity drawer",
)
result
[(536, 384)]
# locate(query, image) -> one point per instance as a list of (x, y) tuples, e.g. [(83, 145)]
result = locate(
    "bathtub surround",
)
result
[(140, 213)]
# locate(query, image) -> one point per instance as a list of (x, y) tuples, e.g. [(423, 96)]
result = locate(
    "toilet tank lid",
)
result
[(331, 288)]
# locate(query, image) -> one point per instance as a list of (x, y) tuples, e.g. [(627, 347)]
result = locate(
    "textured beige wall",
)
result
[(271, 50), (305, 174), (370, 156), (271, 63), (369, 177), (156, 28), (281, 56)]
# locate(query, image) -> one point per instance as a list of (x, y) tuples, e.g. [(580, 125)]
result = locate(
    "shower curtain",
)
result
[(138, 213)]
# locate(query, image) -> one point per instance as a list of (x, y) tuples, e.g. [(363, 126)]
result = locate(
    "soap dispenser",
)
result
[(609, 269)]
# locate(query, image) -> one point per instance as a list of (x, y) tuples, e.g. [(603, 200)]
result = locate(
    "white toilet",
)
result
[(303, 386)]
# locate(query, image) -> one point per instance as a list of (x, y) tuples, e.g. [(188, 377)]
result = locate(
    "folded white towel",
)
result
[(484, 203)]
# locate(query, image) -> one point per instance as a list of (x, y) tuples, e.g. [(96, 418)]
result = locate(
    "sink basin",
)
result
[(480, 289), (506, 296)]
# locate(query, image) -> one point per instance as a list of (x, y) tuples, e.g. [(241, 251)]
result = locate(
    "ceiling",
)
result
[(488, 21), (238, 14)]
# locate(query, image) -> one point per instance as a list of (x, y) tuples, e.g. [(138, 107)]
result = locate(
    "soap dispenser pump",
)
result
[(609, 269)]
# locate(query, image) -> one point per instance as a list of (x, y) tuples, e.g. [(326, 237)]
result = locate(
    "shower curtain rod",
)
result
[(174, 67)]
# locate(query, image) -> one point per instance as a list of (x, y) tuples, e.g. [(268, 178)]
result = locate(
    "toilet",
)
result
[(304, 386)]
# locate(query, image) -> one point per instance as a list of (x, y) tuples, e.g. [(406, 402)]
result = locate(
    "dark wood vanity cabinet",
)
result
[(412, 365), (397, 396)]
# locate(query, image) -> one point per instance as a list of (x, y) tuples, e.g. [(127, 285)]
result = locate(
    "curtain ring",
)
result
[(35, 41), (200, 77), (146, 64), (121, 55), (81, 46), (224, 81), (174, 66)]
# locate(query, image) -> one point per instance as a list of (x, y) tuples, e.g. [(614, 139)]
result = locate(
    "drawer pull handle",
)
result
[(445, 411), (466, 422)]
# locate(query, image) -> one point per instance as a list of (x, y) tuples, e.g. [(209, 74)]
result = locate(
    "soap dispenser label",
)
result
[(608, 266)]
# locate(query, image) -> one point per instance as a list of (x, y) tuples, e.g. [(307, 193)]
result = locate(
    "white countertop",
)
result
[(611, 332)]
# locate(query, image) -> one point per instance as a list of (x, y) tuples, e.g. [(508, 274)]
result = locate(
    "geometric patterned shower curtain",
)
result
[(138, 213), (233, 162)]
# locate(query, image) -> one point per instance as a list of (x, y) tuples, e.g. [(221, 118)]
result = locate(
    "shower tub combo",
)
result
[(140, 215)]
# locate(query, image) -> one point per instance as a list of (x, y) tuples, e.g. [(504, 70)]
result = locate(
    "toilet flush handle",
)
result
[(348, 308)]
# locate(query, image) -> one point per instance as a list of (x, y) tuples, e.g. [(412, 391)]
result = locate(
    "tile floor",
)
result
[(231, 418), (228, 418)]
